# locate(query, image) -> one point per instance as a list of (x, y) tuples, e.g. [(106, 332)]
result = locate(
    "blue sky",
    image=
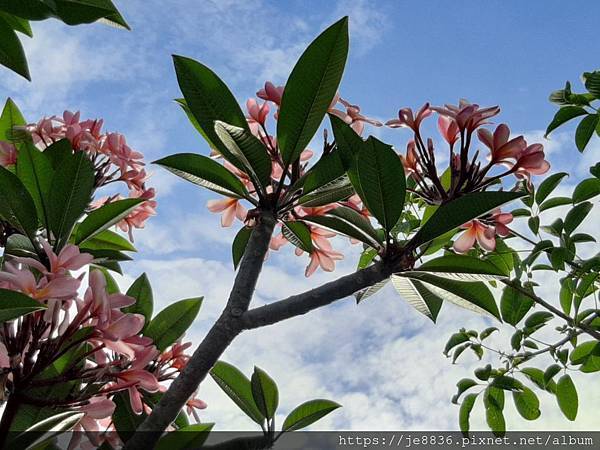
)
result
[(380, 360)]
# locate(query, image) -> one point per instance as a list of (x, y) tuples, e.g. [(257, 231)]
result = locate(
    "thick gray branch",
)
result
[(315, 298), (225, 329)]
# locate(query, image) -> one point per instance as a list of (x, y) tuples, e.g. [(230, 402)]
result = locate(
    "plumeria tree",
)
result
[(428, 219)]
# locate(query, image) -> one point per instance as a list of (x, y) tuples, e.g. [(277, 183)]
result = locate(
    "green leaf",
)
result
[(527, 403), (576, 216), (107, 240), (335, 191), (583, 351), (348, 143), (13, 304), (417, 295), (455, 339), (298, 234), (548, 185), (16, 205), (493, 412), (592, 83), (550, 372), (204, 172), (507, 383), (10, 118), (349, 222), (563, 115), (514, 305), (17, 23), (457, 212), (463, 385), (308, 413), (190, 436), (11, 50), (76, 12), (465, 412), (585, 190), (70, 194), (248, 150), (36, 173), (264, 392), (463, 267), (172, 322), (104, 217), (585, 130), (208, 100), (45, 430), (141, 291), (367, 292), (239, 245), (474, 296), (538, 318), (329, 169), (310, 89), (382, 182), (58, 151), (566, 395), (555, 202), (235, 384)]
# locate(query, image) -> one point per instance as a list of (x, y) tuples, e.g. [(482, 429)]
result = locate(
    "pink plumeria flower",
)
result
[(231, 209), (500, 220), (411, 160), (277, 241), (502, 149), (175, 355), (322, 258), (120, 153), (448, 129), (532, 162), (8, 154), (194, 404), (352, 115), (138, 217), (466, 115), (406, 118), (44, 132), (98, 408), (60, 287), (68, 259), (137, 378), (4, 359), (257, 113), (271, 93), (100, 305), (476, 231)]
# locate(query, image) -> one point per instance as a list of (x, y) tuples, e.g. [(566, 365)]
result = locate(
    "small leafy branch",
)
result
[(556, 248), (258, 398), (15, 17), (574, 105)]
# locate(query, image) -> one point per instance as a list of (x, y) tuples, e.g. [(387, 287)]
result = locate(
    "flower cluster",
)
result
[(103, 345), (322, 255), (484, 231), (113, 160), (468, 173)]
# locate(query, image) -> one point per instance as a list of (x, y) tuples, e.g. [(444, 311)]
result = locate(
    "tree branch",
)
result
[(315, 298), (222, 333), (581, 325)]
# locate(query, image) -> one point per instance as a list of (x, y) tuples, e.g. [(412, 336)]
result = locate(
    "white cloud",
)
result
[(367, 23)]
